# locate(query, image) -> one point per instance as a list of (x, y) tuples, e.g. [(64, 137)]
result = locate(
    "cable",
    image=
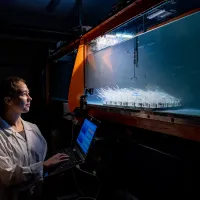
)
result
[(91, 174), (86, 198), (77, 183), (95, 198), (74, 121), (97, 194), (72, 138)]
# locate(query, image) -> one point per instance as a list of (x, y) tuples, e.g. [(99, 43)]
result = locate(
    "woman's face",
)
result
[(21, 103)]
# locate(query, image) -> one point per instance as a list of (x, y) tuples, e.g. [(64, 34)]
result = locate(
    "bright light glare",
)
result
[(134, 97), (156, 14), (110, 36), (104, 42), (110, 40), (124, 35)]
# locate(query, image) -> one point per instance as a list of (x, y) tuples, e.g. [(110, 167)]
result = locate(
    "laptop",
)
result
[(78, 153)]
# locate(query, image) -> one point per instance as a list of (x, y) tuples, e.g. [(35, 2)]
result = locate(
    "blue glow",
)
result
[(86, 135)]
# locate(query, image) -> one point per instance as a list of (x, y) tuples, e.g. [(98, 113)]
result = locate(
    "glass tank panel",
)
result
[(158, 69)]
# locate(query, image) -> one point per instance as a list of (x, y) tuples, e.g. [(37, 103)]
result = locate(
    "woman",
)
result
[(22, 147)]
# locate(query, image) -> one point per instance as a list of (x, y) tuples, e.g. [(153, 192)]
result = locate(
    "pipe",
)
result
[(6, 36), (45, 31), (80, 9)]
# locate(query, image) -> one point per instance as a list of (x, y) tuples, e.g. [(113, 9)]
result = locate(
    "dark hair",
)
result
[(9, 88)]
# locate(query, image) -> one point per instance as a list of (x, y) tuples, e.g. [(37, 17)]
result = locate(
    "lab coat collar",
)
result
[(4, 125), (9, 130)]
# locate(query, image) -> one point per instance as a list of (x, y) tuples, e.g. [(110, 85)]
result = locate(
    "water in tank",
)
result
[(158, 69)]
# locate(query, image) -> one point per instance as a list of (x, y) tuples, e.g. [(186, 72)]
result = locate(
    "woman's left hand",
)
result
[(56, 159)]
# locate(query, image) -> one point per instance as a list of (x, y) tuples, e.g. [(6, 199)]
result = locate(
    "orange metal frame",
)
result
[(76, 88)]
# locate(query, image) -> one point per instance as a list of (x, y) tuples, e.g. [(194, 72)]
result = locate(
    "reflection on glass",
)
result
[(166, 75), (108, 40)]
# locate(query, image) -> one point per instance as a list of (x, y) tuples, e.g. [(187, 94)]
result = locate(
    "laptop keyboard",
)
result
[(63, 166), (74, 159), (73, 155)]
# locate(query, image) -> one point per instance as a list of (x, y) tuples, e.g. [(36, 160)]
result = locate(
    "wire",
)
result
[(77, 183), (97, 194), (95, 198), (91, 174), (73, 119), (72, 132), (86, 198)]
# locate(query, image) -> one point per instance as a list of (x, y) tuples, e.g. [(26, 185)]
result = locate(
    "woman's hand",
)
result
[(56, 159)]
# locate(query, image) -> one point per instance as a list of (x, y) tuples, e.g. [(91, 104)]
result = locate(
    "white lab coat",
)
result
[(21, 161)]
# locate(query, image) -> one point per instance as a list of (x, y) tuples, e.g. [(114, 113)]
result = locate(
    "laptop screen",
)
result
[(86, 135)]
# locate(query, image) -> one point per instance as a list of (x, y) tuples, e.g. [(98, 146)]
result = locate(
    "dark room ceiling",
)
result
[(58, 17), (53, 20), (52, 15)]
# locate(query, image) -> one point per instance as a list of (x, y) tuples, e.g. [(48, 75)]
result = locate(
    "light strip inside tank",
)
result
[(134, 97)]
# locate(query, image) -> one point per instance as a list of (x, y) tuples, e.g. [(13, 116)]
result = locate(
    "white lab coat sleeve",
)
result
[(13, 174)]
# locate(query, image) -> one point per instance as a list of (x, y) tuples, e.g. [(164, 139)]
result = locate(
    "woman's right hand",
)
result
[(56, 159)]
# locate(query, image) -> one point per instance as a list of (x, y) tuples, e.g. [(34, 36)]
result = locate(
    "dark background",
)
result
[(27, 60)]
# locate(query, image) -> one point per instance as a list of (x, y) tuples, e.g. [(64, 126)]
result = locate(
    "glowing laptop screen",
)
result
[(86, 135)]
